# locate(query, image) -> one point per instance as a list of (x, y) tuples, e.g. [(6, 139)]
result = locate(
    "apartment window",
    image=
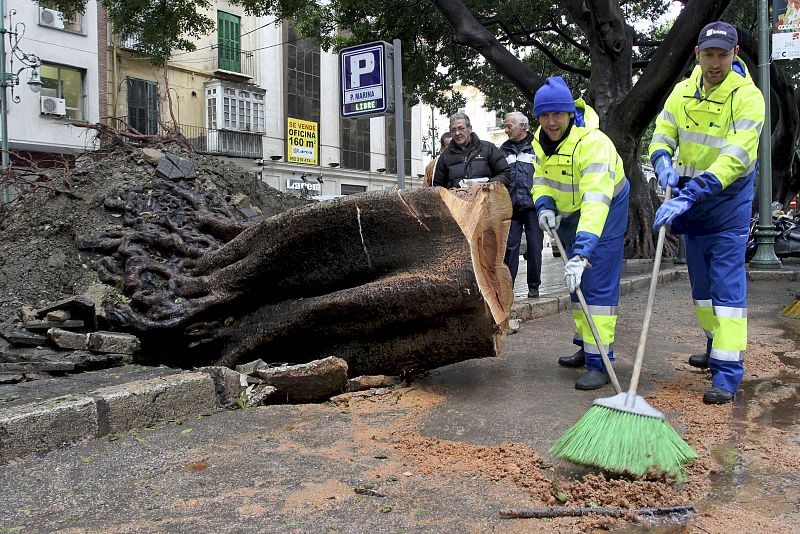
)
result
[(355, 144), (302, 80), (51, 17), (211, 108), (143, 106), (65, 83), (232, 107), (349, 189), (391, 147), (229, 42)]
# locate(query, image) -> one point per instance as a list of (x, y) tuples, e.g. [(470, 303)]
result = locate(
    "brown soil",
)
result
[(39, 262), (720, 436)]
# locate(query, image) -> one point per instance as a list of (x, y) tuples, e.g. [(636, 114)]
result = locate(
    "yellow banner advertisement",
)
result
[(301, 140)]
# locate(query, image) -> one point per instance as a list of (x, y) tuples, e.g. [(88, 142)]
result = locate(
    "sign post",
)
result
[(365, 74), (371, 85)]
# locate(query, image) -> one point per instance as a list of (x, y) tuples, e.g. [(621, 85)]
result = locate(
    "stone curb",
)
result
[(534, 309), (543, 307), (47, 425)]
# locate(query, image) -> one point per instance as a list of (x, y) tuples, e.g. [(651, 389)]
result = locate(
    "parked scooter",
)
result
[(787, 238)]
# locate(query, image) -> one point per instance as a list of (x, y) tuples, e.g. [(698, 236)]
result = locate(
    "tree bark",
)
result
[(391, 282)]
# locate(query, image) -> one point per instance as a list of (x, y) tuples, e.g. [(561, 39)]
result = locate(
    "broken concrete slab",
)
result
[(19, 338), (46, 425), (228, 384), (44, 326), (80, 307), (141, 403), (152, 156), (113, 342), (251, 367), (175, 167), (66, 339), (361, 383), (307, 382), (58, 315)]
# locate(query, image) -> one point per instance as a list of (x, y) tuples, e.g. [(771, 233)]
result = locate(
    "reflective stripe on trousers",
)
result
[(600, 286), (719, 289)]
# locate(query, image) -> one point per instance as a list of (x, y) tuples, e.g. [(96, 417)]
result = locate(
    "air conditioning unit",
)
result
[(54, 106), (49, 17)]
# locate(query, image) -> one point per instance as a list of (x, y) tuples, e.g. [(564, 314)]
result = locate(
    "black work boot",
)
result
[(576, 360), (699, 360), (592, 379), (717, 395)]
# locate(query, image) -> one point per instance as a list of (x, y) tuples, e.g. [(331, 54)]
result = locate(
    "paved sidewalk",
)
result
[(43, 415)]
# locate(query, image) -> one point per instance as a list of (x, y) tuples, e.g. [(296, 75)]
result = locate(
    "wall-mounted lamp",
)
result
[(320, 180), (304, 177), (276, 158), (381, 170), (333, 164)]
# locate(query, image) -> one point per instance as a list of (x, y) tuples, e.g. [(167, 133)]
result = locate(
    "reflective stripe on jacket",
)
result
[(520, 156), (582, 178), (717, 133)]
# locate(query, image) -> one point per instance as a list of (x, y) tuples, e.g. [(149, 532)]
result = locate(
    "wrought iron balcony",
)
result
[(233, 60), (208, 141)]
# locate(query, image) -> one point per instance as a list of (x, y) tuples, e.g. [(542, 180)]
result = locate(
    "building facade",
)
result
[(67, 45)]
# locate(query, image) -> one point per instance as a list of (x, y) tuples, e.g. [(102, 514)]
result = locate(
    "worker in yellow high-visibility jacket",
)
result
[(580, 191), (715, 118)]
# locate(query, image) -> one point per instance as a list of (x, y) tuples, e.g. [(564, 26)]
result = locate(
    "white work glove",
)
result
[(472, 181), (549, 221), (573, 271)]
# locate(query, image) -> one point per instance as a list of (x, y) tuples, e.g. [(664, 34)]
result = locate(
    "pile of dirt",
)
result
[(39, 260)]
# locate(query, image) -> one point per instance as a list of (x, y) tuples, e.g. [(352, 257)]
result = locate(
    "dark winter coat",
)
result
[(478, 159), (519, 155)]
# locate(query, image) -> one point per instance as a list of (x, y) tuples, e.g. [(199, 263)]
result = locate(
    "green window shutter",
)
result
[(229, 42)]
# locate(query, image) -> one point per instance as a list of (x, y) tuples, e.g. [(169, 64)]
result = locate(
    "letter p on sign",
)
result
[(360, 64)]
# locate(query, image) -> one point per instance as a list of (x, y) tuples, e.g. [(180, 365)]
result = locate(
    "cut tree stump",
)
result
[(391, 282)]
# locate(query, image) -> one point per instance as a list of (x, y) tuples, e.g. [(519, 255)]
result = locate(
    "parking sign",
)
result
[(365, 76)]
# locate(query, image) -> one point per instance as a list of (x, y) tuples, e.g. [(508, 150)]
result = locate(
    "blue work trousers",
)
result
[(719, 289)]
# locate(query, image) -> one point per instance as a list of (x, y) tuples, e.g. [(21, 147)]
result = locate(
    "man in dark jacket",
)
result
[(519, 155), (469, 158)]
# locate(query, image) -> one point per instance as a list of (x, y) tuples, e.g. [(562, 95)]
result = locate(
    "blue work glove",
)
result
[(672, 208), (549, 221), (573, 271), (667, 177), (666, 173)]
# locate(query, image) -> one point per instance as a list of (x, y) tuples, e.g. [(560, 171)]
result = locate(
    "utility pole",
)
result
[(765, 257)]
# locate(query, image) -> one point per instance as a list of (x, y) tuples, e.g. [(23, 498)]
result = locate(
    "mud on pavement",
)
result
[(447, 452)]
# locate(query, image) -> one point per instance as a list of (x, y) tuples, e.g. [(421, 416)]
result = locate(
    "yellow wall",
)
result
[(186, 72), (185, 88)]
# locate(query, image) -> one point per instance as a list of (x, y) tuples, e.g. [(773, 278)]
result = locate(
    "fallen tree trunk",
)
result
[(391, 282)]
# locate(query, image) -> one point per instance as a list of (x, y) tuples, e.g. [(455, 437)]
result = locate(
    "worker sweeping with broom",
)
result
[(715, 118), (580, 192)]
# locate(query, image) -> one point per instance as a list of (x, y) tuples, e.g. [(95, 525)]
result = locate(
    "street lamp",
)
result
[(10, 78)]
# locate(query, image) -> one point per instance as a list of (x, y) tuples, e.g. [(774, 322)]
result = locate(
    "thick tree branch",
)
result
[(472, 33)]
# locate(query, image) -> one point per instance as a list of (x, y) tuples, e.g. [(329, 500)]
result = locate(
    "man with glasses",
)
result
[(715, 117), (519, 154), (468, 159)]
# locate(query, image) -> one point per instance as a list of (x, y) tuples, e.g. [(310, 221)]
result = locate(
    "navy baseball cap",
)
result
[(718, 35)]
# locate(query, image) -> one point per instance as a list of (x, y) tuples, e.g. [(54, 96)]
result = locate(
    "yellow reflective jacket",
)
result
[(582, 178), (716, 133)]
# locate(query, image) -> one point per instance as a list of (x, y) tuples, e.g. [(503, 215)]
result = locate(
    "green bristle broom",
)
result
[(624, 434)]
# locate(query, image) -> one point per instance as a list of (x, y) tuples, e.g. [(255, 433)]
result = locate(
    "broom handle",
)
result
[(637, 365), (585, 308)]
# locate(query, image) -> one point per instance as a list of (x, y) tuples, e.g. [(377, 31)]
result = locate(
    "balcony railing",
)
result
[(210, 141), (235, 60)]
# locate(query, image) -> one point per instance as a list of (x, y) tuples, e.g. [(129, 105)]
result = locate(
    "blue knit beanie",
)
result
[(553, 96)]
